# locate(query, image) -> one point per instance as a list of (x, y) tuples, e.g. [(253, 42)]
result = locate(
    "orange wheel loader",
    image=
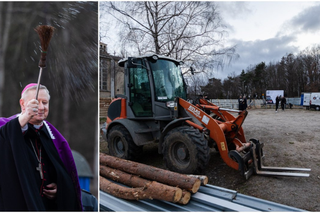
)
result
[(154, 110)]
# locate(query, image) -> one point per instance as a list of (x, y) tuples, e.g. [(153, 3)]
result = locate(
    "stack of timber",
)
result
[(141, 181)]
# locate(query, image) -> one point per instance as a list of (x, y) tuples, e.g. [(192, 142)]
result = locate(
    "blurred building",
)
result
[(111, 78), (111, 75)]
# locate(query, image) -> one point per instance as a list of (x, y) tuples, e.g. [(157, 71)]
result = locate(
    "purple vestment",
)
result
[(63, 150)]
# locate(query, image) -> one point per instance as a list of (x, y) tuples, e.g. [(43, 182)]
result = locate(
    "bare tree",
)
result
[(311, 58), (5, 18), (194, 83), (190, 31)]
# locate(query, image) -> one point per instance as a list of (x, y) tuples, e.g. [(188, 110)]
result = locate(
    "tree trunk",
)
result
[(121, 191), (156, 190), (164, 176), (5, 17)]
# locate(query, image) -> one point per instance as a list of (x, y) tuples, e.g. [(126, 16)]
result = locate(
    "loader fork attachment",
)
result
[(259, 169)]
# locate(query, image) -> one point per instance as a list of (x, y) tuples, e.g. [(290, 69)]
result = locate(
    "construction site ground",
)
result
[(291, 139)]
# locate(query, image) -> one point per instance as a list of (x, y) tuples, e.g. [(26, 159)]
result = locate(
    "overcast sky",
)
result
[(264, 31)]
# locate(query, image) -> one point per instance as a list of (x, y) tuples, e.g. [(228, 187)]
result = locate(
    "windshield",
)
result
[(168, 80)]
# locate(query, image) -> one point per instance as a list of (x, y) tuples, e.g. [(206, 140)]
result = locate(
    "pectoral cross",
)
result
[(39, 168)]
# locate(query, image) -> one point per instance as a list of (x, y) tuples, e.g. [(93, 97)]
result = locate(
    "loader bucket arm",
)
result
[(224, 128), (224, 116), (215, 128)]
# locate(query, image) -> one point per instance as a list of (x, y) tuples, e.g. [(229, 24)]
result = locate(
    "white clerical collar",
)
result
[(37, 126), (25, 127)]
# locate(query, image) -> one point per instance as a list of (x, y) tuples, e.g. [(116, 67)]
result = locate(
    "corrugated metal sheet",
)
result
[(208, 198)]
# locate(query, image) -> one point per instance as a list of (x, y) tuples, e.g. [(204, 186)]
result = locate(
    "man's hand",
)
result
[(30, 110), (50, 191)]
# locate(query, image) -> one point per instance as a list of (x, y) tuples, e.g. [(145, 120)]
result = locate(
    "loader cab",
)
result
[(152, 83), (139, 90)]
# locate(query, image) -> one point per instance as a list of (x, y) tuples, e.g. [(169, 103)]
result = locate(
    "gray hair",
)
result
[(23, 95)]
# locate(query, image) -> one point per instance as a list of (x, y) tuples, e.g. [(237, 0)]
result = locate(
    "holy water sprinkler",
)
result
[(45, 33)]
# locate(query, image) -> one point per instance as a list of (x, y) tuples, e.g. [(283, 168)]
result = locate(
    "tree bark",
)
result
[(191, 184), (121, 191), (157, 190)]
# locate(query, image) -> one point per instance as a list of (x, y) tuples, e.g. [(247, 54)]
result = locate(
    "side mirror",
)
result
[(131, 63)]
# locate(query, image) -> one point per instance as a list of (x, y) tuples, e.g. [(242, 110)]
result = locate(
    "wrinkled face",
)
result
[(43, 110)]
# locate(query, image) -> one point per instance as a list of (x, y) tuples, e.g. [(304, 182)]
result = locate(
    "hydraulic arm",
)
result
[(226, 131)]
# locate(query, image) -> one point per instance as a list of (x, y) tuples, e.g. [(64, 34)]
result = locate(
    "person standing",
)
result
[(38, 172), (245, 104), (277, 103), (283, 102), (240, 102)]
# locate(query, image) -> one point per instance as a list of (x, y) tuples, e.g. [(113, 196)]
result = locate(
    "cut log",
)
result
[(191, 184), (185, 198), (157, 190), (204, 179), (122, 191)]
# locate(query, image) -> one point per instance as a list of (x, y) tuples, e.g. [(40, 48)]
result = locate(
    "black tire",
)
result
[(121, 145), (185, 150)]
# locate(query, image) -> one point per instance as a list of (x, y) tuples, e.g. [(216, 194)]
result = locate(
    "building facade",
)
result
[(111, 79), (111, 75)]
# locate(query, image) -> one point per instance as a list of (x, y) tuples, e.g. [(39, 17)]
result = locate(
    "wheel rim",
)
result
[(118, 146), (180, 153)]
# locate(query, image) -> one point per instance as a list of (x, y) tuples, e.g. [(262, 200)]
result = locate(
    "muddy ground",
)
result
[(291, 138)]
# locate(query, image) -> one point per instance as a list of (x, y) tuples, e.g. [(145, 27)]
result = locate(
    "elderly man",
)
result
[(37, 170)]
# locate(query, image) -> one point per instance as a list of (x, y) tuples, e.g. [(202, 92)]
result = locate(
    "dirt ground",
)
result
[(291, 139)]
